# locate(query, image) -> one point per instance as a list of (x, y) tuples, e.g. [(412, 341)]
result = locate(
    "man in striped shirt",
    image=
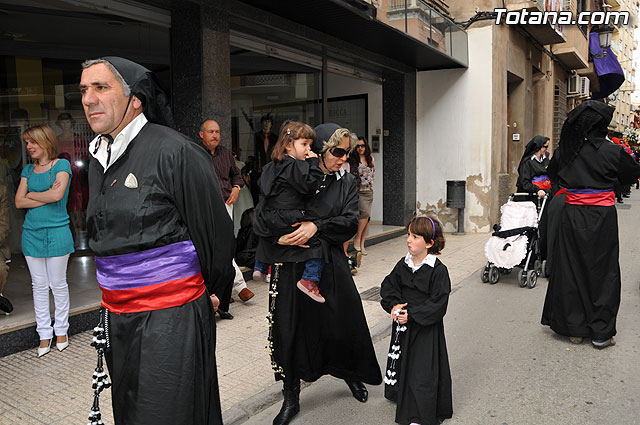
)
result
[(231, 182)]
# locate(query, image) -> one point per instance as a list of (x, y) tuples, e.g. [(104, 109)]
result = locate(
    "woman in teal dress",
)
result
[(46, 236)]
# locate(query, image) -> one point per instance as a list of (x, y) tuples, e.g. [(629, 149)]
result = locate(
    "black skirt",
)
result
[(310, 339), (583, 295), (162, 365)]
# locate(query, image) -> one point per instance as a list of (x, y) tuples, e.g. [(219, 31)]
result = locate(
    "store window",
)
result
[(39, 75), (265, 92), (36, 91)]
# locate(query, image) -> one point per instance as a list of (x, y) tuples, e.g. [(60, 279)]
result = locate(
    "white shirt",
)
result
[(120, 142), (536, 158), (429, 260)]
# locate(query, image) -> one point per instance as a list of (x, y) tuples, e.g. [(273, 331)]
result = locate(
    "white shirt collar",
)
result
[(120, 142), (536, 158), (340, 173), (429, 260)]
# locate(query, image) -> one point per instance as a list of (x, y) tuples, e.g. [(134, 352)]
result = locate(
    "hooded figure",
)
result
[(583, 295), (163, 243), (306, 339), (532, 171)]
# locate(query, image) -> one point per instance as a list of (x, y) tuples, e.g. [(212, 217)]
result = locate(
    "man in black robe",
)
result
[(163, 247), (583, 295)]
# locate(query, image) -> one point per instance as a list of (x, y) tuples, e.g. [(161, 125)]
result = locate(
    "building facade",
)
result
[(624, 46), (516, 87), (238, 62)]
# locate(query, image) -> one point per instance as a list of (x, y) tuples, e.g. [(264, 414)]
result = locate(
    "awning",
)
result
[(608, 69), (358, 26)]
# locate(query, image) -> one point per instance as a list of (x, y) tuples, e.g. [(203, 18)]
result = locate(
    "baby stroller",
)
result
[(515, 242)]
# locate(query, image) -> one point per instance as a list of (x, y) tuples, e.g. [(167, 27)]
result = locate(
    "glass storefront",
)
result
[(40, 69), (265, 92)]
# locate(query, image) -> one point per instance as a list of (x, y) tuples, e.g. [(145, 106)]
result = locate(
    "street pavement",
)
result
[(56, 389), (507, 369)]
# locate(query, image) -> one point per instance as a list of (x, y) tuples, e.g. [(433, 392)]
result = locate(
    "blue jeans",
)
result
[(261, 267), (313, 269)]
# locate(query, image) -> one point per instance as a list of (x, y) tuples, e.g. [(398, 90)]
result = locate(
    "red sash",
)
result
[(545, 184), (603, 199)]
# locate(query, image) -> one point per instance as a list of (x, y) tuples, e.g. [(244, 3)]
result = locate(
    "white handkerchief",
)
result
[(131, 182)]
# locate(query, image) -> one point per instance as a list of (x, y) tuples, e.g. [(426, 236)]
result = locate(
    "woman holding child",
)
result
[(308, 339)]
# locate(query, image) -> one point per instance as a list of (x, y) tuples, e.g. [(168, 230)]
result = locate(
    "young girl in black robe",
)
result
[(416, 294), (287, 183)]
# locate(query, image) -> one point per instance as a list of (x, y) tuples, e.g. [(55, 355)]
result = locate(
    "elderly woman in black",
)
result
[(532, 171), (308, 339)]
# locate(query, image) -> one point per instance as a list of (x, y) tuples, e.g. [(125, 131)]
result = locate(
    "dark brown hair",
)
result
[(290, 131), (422, 226), (367, 152)]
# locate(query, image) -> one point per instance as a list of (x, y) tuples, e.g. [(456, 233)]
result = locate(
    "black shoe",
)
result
[(5, 305), (290, 406), (358, 390), (620, 201), (225, 315)]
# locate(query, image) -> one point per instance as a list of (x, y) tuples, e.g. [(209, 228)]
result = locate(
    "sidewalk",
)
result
[(56, 389)]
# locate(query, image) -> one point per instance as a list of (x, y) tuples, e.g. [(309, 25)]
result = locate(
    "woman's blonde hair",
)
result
[(45, 137), (337, 137)]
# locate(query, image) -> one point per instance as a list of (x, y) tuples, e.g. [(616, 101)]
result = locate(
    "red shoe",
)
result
[(310, 288)]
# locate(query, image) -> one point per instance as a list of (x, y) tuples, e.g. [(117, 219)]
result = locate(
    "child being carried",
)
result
[(287, 183)]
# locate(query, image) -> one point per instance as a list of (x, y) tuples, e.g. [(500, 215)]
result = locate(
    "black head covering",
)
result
[(145, 87), (532, 147), (323, 134), (588, 121)]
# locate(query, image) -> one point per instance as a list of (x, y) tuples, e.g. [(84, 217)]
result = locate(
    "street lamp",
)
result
[(604, 34)]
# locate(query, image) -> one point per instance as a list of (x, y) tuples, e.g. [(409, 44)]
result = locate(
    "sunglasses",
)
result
[(546, 146), (360, 146), (339, 152)]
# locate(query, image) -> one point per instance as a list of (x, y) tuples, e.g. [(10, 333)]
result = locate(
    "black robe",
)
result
[(549, 224), (423, 388), (310, 339), (287, 187), (529, 169), (583, 295), (246, 245), (162, 362)]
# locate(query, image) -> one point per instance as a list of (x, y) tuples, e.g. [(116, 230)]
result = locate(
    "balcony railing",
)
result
[(422, 21), (548, 33)]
